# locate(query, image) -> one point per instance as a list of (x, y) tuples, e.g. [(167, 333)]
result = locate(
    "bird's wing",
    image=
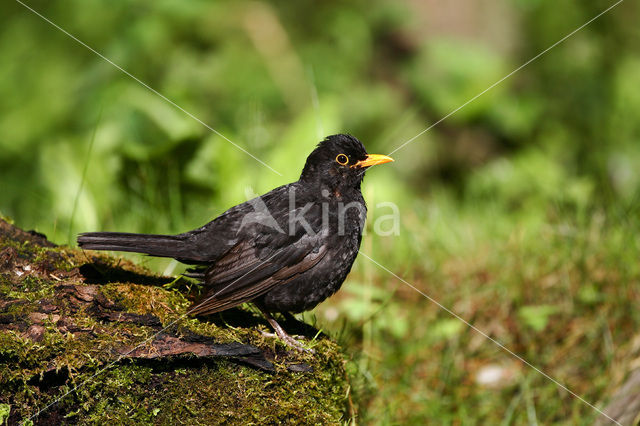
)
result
[(248, 270), (256, 217)]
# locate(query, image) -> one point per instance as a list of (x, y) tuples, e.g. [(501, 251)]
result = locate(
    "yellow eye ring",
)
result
[(342, 159)]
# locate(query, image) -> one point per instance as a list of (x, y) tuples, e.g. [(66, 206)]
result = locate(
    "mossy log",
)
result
[(86, 338)]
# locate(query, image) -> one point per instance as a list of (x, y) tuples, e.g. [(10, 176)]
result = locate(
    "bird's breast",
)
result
[(339, 235)]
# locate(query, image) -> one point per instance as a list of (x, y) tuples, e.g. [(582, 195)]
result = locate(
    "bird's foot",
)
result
[(281, 334), (289, 341)]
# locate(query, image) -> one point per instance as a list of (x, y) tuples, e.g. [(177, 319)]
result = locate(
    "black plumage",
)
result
[(285, 251)]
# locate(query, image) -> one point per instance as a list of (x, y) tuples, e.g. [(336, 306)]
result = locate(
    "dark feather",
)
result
[(154, 245), (255, 278)]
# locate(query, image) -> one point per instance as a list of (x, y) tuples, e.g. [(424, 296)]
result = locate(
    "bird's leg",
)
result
[(282, 335)]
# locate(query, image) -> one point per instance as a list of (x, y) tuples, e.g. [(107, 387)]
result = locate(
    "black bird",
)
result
[(285, 251)]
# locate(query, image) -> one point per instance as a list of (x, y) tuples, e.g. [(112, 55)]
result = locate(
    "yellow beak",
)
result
[(372, 160)]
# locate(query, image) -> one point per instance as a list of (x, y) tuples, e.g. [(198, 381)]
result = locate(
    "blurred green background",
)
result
[(519, 212)]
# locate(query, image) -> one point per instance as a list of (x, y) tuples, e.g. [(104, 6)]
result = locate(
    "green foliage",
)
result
[(5, 410), (537, 317), (448, 73), (519, 212)]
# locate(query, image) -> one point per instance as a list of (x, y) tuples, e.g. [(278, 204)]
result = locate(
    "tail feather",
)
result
[(154, 245)]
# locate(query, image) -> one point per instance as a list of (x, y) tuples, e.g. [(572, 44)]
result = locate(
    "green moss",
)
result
[(208, 394), (41, 359)]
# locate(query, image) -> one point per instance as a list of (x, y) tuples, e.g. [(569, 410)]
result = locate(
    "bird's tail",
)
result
[(154, 245)]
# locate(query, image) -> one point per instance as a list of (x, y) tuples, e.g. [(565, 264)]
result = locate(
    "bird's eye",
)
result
[(342, 159)]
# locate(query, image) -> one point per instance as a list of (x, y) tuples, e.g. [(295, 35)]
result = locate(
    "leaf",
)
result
[(537, 317), (589, 294), (446, 329)]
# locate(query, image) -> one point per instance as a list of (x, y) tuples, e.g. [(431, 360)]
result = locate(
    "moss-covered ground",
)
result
[(66, 330)]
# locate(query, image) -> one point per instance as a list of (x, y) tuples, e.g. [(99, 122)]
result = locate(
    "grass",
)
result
[(562, 294)]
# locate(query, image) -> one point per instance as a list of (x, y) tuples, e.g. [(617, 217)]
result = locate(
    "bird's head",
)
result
[(339, 161)]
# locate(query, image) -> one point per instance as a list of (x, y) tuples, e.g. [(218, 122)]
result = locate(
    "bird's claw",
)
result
[(289, 341)]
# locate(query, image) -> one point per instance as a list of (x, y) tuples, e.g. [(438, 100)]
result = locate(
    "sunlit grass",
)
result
[(562, 295)]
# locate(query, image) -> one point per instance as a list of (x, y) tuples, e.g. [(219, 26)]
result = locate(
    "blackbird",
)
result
[(284, 251)]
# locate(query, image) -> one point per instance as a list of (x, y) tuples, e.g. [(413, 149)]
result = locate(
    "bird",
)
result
[(285, 251)]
